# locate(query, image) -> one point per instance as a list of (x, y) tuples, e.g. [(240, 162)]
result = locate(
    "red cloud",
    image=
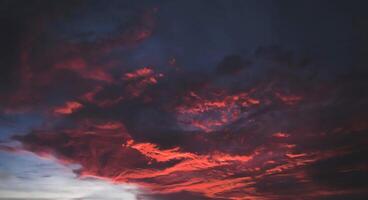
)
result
[(152, 129), (138, 80), (68, 108), (106, 150), (216, 111)]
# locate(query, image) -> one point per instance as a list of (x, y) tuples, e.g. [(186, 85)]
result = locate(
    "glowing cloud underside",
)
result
[(263, 128)]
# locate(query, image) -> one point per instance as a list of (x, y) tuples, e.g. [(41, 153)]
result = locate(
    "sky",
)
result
[(183, 100)]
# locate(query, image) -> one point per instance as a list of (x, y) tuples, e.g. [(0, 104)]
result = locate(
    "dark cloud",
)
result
[(231, 65), (274, 140), (270, 122)]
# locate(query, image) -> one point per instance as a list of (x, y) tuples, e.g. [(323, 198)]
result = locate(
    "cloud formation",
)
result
[(265, 125)]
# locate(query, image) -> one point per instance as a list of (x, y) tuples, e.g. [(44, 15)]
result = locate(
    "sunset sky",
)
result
[(183, 100)]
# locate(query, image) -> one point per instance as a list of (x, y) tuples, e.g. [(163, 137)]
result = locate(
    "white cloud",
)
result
[(26, 176)]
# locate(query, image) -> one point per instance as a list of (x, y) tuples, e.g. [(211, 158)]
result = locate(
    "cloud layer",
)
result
[(265, 125)]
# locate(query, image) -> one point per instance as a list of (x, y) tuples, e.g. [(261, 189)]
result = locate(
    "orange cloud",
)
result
[(69, 108)]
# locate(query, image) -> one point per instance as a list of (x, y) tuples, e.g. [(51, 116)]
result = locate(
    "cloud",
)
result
[(263, 126), (29, 177), (267, 141), (231, 65)]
